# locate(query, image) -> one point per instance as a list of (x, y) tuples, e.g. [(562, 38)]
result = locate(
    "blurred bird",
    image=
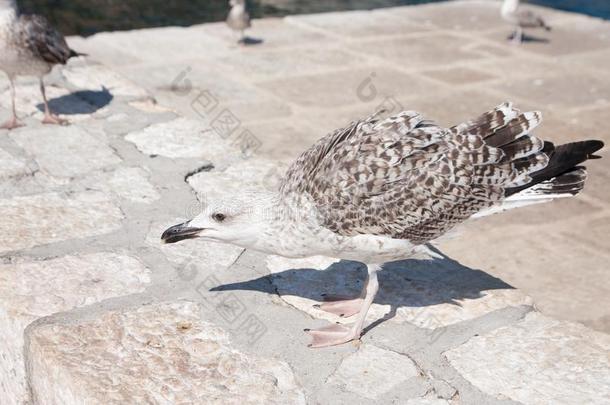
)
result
[(238, 18), (29, 46), (521, 19), (380, 189)]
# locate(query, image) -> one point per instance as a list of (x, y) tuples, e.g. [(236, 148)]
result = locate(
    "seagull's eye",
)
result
[(218, 217)]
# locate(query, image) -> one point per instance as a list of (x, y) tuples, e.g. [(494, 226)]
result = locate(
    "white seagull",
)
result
[(238, 18), (380, 189), (521, 19), (29, 46)]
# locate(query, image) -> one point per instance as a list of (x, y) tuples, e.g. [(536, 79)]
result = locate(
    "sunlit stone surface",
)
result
[(33, 289), (366, 371), (539, 360), (45, 218), (159, 353)]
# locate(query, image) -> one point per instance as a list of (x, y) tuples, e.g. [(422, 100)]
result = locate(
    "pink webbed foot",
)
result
[(12, 124), (331, 335), (340, 305), (52, 119)]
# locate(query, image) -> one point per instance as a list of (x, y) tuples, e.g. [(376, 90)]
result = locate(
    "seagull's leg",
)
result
[(337, 334), (518, 37), (49, 118), (342, 305), (13, 122)]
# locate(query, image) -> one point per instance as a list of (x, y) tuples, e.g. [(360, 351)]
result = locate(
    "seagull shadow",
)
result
[(407, 283), (79, 102), (249, 41), (529, 38)]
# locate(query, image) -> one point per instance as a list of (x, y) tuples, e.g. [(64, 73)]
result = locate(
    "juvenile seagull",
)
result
[(379, 189), (238, 18), (29, 46), (521, 19)]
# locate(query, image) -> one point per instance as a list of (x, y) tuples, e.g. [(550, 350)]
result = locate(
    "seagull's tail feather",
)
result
[(561, 160), (560, 177), (490, 121)]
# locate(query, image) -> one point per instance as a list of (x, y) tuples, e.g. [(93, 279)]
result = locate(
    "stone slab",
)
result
[(65, 151), (541, 260), (158, 353), (460, 75), (46, 218), (183, 138), (285, 139), (131, 183), (11, 166), (191, 77), (448, 48), (233, 179), (427, 293), (287, 62), (180, 42), (274, 33), (560, 91), (368, 86), (266, 108), (99, 77), (33, 289), (358, 24), (538, 361), (365, 372)]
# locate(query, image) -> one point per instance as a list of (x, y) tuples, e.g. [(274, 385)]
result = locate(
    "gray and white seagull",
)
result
[(239, 19), (380, 189), (29, 46), (521, 18)]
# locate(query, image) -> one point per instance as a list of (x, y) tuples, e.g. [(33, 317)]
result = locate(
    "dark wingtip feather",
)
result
[(563, 159), (594, 146)]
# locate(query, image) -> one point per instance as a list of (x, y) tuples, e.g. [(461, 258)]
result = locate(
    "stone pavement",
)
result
[(93, 309)]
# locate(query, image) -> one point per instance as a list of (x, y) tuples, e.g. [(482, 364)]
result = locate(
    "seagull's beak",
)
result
[(180, 232)]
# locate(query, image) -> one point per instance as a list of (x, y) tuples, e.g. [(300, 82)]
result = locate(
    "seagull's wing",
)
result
[(406, 178), (529, 19), (43, 40)]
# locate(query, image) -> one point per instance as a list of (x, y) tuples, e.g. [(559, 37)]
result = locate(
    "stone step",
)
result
[(160, 353), (33, 289)]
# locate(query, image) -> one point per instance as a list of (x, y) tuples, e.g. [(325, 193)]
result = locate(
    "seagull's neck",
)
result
[(238, 9), (510, 6), (8, 12)]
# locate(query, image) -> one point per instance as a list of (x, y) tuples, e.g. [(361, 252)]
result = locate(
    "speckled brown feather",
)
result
[(407, 178)]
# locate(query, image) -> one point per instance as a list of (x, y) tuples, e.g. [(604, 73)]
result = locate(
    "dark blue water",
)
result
[(595, 8), (86, 17)]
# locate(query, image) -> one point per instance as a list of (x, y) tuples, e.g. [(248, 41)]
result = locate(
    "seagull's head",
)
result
[(238, 219), (234, 3)]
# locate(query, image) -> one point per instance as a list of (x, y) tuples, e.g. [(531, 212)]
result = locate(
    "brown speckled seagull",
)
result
[(380, 189), (29, 46)]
